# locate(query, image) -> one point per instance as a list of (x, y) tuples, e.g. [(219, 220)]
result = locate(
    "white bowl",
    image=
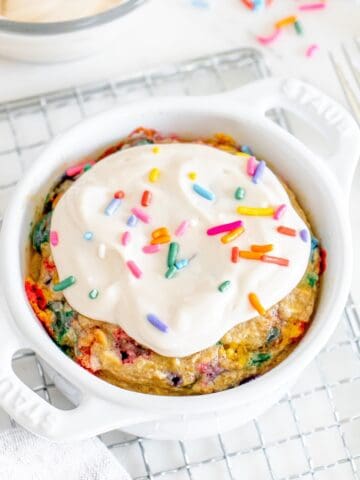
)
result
[(63, 41), (322, 185)]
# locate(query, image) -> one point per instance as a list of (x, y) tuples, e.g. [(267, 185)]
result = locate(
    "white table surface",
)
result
[(165, 31)]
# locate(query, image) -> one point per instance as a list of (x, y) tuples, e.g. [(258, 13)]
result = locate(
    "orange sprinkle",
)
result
[(250, 255), (159, 232), (284, 22), (160, 240), (235, 254), (255, 302), (284, 262), (232, 235), (262, 248), (291, 232)]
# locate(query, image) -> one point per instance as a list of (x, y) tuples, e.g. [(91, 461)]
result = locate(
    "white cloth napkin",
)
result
[(25, 456)]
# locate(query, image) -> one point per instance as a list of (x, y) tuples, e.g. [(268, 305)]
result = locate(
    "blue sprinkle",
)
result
[(259, 172), (246, 149), (132, 221), (314, 243), (203, 192), (88, 235), (157, 323), (304, 235), (112, 207), (182, 263)]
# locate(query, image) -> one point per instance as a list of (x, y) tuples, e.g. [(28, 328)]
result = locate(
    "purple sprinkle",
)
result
[(156, 322), (304, 235), (132, 221), (259, 172)]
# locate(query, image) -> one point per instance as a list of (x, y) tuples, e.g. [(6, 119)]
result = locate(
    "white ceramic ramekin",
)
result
[(321, 184), (63, 41)]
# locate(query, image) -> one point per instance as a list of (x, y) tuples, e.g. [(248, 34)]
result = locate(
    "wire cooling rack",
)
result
[(313, 432)]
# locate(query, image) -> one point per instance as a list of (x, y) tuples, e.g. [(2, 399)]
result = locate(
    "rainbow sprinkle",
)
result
[(93, 294), (125, 238), (291, 232), (304, 235), (283, 262), (112, 206), (66, 283), (171, 272), (259, 172), (134, 269), (157, 323), (233, 235), (141, 215), (88, 235), (181, 229), (224, 286), (154, 175), (255, 302), (207, 194), (172, 254), (239, 193), (262, 248), (146, 198), (151, 248), (180, 264), (225, 227), (256, 211), (54, 238), (251, 166), (192, 175), (280, 211), (132, 221), (102, 250)]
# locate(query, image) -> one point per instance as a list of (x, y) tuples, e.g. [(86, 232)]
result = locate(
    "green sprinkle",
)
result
[(218, 343), (93, 294), (259, 358), (172, 254), (239, 193), (171, 272), (66, 283), (273, 334), (298, 28), (224, 286), (312, 279)]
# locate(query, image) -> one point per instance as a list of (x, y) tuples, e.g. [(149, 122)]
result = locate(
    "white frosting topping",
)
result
[(196, 313)]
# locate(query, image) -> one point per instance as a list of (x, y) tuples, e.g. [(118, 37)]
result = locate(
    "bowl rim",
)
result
[(304, 351), (69, 26)]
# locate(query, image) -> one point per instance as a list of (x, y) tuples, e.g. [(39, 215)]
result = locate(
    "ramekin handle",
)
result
[(91, 417), (321, 112)]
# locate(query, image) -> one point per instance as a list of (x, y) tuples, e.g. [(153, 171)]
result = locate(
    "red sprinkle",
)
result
[(119, 194), (284, 262), (323, 260), (291, 232), (35, 295), (235, 254), (146, 198)]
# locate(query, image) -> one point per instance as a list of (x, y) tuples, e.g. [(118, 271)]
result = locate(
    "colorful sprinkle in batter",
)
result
[(206, 264)]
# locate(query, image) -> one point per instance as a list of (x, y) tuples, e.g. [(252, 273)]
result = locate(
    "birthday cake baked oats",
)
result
[(174, 266)]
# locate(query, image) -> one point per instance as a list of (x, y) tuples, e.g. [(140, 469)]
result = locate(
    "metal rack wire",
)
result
[(312, 433)]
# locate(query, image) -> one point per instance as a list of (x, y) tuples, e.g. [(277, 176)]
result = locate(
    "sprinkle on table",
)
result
[(225, 227), (283, 262), (132, 221), (181, 229), (172, 254), (66, 283), (224, 286), (280, 211), (134, 269), (262, 248), (54, 238), (259, 172), (154, 175), (93, 294), (233, 235), (239, 193), (112, 207), (255, 302), (235, 254), (141, 215), (304, 235), (203, 192), (146, 198), (88, 235), (157, 323), (291, 232), (255, 211)]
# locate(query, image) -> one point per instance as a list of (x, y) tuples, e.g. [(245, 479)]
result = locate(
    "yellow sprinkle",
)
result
[(154, 175), (284, 22), (229, 237), (242, 154), (159, 232), (255, 211), (255, 302), (192, 175), (156, 149), (224, 138)]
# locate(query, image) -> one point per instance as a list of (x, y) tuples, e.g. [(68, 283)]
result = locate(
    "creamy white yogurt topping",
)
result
[(196, 313), (53, 10)]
